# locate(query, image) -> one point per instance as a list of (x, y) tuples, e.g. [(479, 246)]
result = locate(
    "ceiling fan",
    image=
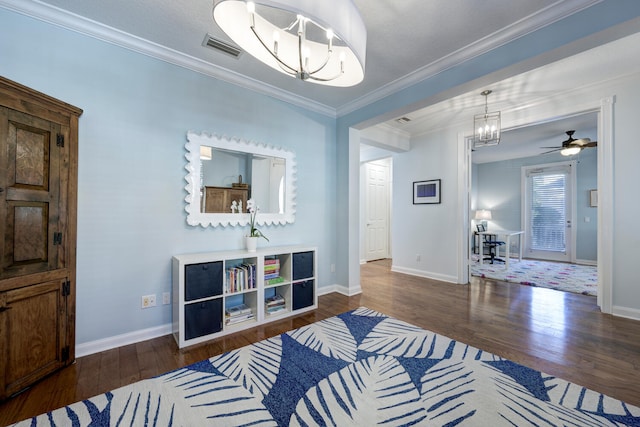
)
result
[(572, 146)]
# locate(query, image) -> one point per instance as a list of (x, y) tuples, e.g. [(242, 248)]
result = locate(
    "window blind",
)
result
[(548, 211)]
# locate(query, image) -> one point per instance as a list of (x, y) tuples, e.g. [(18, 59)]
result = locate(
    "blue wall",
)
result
[(137, 111)]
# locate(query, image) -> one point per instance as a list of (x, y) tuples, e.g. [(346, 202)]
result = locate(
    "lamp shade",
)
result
[(483, 214), (343, 67)]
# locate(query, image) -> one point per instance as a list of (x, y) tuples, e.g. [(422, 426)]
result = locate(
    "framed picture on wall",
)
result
[(426, 192)]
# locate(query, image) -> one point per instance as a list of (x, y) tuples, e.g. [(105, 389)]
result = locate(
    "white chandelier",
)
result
[(487, 125), (319, 41)]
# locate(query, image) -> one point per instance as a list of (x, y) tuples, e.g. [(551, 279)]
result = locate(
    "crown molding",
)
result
[(544, 17), (64, 19)]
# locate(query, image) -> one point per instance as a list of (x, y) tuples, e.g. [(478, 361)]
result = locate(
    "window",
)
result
[(548, 213), (548, 210)]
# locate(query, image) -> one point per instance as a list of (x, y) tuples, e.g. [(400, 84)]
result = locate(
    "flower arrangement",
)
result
[(253, 211)]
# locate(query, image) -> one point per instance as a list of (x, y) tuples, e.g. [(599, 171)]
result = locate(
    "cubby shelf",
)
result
[(218, 293)]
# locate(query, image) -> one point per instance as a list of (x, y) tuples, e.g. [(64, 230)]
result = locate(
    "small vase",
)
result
[(252, 243)]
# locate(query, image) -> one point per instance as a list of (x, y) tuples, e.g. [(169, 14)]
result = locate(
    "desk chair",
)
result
[(490, 241)]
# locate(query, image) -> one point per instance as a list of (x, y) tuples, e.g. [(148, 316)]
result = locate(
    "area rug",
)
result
[(580, 279), (361, 368)]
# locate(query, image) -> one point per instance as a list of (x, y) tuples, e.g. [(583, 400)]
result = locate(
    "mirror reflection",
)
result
[(223, 173), (230, 178)]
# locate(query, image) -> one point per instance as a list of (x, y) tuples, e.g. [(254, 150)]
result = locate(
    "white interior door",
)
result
[(548, 211), (377, 202)]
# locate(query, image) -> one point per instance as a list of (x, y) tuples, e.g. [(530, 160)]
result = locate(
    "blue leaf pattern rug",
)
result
[(361, 368)]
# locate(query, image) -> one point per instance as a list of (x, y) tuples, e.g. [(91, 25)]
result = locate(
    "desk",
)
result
[(507, 234)]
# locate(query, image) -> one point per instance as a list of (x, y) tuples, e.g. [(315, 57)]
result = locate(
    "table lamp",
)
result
[(483, 215)]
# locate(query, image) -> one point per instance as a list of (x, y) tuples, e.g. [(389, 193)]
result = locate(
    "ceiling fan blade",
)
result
[(581, 142), (591, 144), (553, 147), (552, 151)]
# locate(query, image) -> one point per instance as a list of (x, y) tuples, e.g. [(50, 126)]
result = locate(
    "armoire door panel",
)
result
[(31, 196), (30, 227), (33, 317), (31, 156)]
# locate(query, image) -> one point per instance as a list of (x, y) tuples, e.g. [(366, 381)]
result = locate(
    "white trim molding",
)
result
[(605, 204), (629, 313), (341, 289), (116, 341), (425, 274)]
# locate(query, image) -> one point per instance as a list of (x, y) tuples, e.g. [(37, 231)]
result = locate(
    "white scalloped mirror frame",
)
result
[(195, 217)]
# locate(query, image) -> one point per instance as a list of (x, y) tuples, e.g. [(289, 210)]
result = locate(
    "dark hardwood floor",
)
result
[(558, 333)]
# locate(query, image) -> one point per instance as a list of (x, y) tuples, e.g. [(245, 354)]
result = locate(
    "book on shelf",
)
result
[(271, 275), (239, 319), (271, 261), (238, 310), (271, 267), (241, 278), (238, 313), (275, 300), (276, 310), (273, 280)]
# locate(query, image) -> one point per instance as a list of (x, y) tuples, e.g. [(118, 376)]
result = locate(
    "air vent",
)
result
[(222, 46), (403, 120)]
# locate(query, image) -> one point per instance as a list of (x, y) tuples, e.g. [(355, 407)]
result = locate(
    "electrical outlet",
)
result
[(418, 257), (333, 268), (148, 301), (166, 298)]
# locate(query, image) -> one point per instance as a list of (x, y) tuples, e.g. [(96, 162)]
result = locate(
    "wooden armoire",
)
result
[(38, 190)]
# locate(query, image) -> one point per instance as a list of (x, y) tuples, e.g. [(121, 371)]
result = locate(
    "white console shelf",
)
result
[(218, 293)]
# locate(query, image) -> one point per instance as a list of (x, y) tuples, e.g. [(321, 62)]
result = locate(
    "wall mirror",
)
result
[(223, 173)]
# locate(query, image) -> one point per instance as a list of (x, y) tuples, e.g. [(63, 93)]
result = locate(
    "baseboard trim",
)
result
[(425, 274), (587, 262), (339, 289), (327, 290), (630, 313), (105, 344)]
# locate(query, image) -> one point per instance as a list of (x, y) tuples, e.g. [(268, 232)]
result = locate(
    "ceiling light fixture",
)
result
[(570, 151), (486, 126), (322, 42)]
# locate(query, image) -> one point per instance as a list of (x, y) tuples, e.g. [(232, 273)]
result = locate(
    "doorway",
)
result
[(546, 195), (376, 208)]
